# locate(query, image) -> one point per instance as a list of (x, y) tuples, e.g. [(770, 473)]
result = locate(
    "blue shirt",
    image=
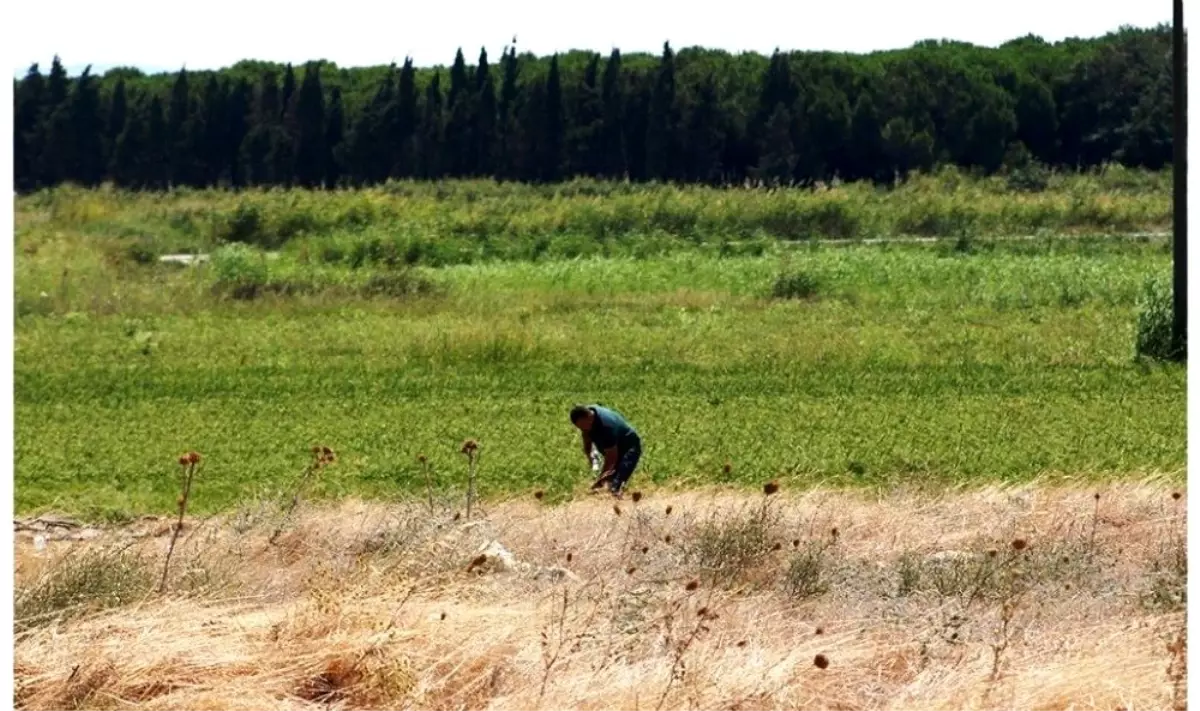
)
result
[(609, 429)]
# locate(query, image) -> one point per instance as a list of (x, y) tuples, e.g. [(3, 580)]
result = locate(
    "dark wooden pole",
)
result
[(1179, 64)]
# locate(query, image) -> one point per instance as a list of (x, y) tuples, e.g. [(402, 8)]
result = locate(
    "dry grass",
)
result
[(364, 605)]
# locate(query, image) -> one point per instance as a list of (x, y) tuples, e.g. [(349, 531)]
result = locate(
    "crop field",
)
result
[(824, 361)]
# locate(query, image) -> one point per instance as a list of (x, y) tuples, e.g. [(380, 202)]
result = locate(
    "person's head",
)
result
[(582, 417)]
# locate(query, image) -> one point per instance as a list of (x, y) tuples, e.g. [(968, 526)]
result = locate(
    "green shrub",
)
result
[(239, 270), (795, 285), (1156, 312)]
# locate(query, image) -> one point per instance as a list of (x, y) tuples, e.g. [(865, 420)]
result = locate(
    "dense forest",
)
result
[(696, 115)]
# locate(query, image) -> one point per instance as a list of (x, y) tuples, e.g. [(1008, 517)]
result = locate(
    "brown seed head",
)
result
[(637, 496), (692, 585), (770, 487), (834, 533), (631, 570), (728, 467), (645, 550), (457, 515), (795, 543), (668, 510), (819, 630), (316, 450), (478, 561), (702, 612), (180, 501), (183, 460), (443, 615), (1096, 496), (992, 552), (422, 458), (1176, 495), (821, 661), (539, 494), (570, 556), (193, 457), (469, 446), (667, 539), (742, 643), (616, 509), (777, 546), (327, 451), (1019, 544)]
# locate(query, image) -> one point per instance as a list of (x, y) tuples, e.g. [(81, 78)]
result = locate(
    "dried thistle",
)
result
[(645, 550), (637, 496), (777, 546), (795, 543), (616, 509), (539, 494), (692, 585), (1176, 495), (477, 561), (742, 643), (1019, 544), (770, 487), (570, 556), (821, 661), (667, 539), (188, 462), (727, 468), (631, 570), (819, 630), (669, 509)]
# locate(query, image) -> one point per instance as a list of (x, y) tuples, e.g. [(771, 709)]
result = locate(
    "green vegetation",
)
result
[(968, 359), (694, 115)]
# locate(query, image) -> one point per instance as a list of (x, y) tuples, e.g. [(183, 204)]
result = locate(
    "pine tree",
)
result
[(208, 130)]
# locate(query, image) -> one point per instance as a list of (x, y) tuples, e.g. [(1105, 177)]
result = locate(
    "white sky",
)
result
[(157, 36)]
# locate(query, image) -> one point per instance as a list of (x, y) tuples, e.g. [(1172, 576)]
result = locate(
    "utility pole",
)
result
[(1179, 163)]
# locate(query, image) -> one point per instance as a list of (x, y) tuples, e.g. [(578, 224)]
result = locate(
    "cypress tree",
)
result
[(118, 110), (88, 131), (154, 169), (485, 118), (551, 168), (508, 143), (29, 97), (611, 95), (432, 131), (661, 151), (237, 110), (130, 151), (334, 128), (309, 119), (407, 117), (585, 140), (179, 155)]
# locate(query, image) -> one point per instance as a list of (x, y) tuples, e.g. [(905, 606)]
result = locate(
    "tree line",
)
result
[(693, 116)]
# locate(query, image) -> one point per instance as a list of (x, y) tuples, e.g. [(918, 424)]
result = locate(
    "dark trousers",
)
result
[(627, 461)]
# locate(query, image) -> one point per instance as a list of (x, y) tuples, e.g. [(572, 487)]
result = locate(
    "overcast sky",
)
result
[(158, 36)]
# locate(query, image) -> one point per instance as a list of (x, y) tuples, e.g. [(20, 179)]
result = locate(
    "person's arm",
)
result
[(587, 446), (610, 467)]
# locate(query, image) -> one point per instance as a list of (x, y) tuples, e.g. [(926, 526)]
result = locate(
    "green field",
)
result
[(970, 359)]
